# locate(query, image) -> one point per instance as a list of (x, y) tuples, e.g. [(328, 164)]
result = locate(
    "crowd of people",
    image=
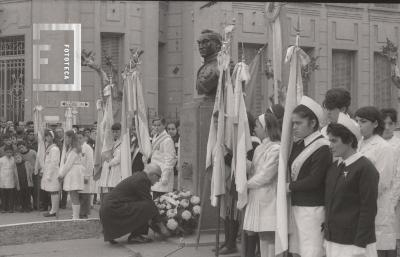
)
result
[(29, 182), (344, 179)]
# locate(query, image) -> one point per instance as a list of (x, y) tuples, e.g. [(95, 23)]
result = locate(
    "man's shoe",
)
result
[(226, 250), (138, 239), (113, 242), (48, 214), (220, 247)]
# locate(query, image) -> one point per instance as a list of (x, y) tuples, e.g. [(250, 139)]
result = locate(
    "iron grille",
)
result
[(11, 46), (12, 78)]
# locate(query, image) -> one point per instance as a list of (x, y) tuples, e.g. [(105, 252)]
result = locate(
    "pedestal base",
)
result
[(194, 129)]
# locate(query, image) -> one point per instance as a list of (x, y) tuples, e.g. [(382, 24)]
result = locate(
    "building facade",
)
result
[(345, 38)]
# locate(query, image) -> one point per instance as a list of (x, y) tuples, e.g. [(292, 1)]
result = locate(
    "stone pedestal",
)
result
[(194, 128)]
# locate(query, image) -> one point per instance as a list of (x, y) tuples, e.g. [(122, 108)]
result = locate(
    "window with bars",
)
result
[(12, 78), (382, 82), (344, 73), (111, 45), (12, 46)]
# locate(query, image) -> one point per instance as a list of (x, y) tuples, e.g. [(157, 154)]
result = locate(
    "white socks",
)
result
[(264, 248), (55, 203), (75, 211)]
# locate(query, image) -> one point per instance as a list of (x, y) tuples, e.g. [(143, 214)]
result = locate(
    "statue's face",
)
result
[(207, 46)]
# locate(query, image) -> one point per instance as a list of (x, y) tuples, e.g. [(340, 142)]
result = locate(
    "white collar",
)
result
[(266, 140), (308, 139), (351, 159)]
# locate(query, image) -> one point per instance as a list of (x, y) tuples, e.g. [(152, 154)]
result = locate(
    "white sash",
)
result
[(156, 143), (303, 156)]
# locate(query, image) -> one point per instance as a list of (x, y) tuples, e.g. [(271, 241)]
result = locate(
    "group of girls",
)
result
[(343, 181)]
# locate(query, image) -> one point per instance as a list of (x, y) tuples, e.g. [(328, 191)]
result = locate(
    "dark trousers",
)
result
[(84, 200), (63, 202), (8, 198), (24, 198), (35, 191)]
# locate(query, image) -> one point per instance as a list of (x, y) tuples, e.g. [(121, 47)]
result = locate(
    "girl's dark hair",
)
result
[(372, 114), (278, 110), (389, 112), (337, 98), (305, 112), (272, 127), (338, 130), (74, 141), (172, 122)]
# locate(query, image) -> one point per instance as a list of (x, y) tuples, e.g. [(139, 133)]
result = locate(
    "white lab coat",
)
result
[(260, 212), (163, 154), (381, 154), (50, 167), (88, 163), (71, 169), (394, 142)]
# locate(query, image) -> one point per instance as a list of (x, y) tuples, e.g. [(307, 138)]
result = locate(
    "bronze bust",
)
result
[(207, 76)]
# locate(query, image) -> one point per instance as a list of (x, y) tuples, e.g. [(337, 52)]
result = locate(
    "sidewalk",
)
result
[(33, 216), (96, 247)]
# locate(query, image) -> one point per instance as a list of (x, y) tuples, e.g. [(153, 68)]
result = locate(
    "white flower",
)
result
[(196, 209), (172, 224), (186, 215), (162, 198), (172, 213), (195, 200), (168, 206), (162, 206), (188, 193), (162, 212), (184, 203)]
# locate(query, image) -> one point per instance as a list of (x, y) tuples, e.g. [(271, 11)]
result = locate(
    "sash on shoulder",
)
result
[(157, 142), (305, 154)]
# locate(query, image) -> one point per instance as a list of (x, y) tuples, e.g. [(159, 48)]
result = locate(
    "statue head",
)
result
[(209, 42)]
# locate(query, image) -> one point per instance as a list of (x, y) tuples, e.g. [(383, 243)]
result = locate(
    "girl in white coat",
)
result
[(49, 167), (381, 154), (260, 216), (71, 171)]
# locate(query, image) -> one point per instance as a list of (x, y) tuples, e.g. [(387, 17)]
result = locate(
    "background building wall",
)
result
[(345, 37)]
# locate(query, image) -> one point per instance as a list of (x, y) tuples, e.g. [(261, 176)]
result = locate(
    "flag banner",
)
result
[(140, 114), (67, 126), (126, 167), (241, 135), (251, 85), (106, 124), (296, 57), (215, 145), (98, 164), (39, 130)]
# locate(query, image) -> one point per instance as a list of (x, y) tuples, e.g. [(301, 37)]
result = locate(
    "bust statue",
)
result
[(207, 76)]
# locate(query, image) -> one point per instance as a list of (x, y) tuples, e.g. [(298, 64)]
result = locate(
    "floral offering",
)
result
[(180, 211)]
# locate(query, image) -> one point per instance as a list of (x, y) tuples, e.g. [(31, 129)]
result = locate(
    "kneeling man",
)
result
[(129, 207)]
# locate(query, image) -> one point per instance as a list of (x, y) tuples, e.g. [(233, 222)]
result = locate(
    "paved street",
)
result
[(95, 247)]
